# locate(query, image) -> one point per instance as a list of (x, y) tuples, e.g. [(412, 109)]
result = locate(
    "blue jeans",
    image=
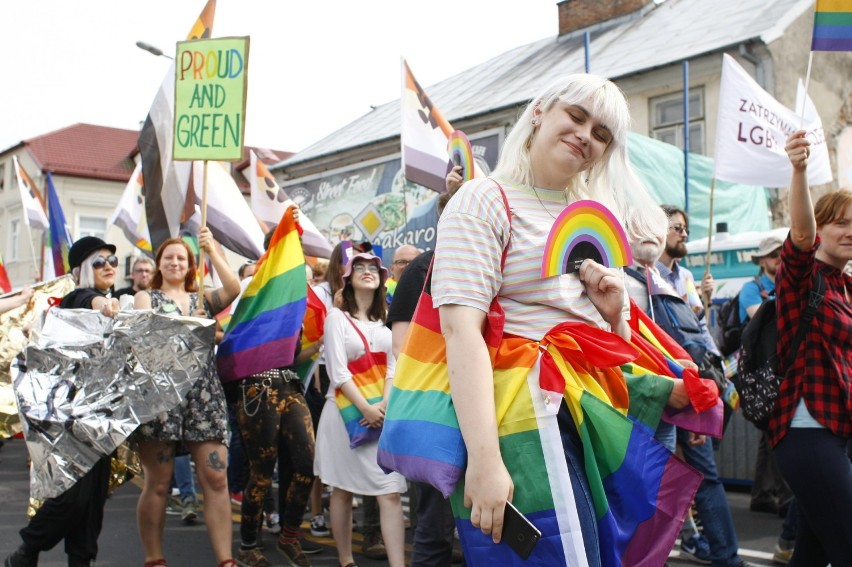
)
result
[(183, 478), (712, 503), (667, 436)]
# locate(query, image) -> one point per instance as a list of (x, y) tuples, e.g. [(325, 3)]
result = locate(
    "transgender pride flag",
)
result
[(832, 26), (264, 329)]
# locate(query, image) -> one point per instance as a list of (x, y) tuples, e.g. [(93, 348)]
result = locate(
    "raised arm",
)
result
[(220, 297), (802, 222)]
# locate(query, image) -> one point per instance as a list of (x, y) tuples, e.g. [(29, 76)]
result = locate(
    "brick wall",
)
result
[(577, 14)]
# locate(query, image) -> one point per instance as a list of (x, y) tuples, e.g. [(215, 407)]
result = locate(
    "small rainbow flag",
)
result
[(5, 284), (832, 26), (264, 329), (312, 331), (60, 236)]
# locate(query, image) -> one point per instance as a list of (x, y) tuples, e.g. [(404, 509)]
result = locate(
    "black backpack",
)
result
[(757, 379), (729, 337)]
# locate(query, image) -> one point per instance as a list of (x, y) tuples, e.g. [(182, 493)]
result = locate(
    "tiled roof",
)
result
[(672, 31), (86, 150)]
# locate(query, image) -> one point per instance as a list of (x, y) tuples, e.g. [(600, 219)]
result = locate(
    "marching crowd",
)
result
[(568, 144)]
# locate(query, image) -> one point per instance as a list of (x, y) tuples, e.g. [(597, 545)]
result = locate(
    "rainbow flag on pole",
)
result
[(60, 235), (832, 26), (264, 328)]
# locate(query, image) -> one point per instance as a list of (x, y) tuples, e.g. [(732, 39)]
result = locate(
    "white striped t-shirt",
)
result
[(472, 232)]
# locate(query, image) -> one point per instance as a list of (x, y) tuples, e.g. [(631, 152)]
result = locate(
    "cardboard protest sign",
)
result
[(210, 99)]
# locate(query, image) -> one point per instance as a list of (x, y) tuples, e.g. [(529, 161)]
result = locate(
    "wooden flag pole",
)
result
[(706, 300), (203, 224)]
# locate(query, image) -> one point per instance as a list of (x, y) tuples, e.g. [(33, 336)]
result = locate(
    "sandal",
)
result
[(156, 563)]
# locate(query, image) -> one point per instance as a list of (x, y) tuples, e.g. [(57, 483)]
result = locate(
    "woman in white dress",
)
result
[(357, 332)]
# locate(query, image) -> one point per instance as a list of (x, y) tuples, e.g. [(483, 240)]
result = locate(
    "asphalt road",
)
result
[(188, 545)]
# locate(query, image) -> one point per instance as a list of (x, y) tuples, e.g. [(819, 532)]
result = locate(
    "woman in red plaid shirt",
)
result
[(811, 425)]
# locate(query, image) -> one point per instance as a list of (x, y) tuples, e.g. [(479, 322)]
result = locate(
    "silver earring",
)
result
[(536, 121)]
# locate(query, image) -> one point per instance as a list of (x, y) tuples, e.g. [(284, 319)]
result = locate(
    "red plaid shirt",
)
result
[(822, 369)]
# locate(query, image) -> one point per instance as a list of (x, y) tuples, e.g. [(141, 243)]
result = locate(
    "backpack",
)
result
[(729, 337), (757, 379)]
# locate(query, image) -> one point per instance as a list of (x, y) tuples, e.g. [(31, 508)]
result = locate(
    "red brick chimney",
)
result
[(578, 14)]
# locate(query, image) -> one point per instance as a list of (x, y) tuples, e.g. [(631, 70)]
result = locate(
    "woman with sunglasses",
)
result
[(356, 338), (77, 514), (201, 420)]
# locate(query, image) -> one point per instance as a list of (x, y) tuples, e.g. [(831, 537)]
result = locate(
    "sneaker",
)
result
[(190, 511), (237, 498), (251, 558), (173, 506), (22, 557), (696, 549), (271, 522), (783, 551), (294, 553), (309, 547), (318, 526), (374, 547)]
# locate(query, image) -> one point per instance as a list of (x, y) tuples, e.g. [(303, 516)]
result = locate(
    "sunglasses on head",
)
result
[(100, 262)]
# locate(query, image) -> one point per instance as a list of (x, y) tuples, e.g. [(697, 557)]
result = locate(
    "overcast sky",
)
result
[(314, 66)]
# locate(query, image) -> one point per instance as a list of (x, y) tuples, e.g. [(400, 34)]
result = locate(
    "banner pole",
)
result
[(807, 81), (203, 224), (706, 300)]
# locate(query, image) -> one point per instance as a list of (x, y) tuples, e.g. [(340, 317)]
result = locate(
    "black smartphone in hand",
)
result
[(518, 532)]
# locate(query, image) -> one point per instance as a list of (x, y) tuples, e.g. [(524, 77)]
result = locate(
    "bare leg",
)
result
[(316, 497), (393, 527), (341, 524), (158, 461), (211, 459)]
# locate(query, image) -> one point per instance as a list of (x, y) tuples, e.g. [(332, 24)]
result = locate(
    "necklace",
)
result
[(546, 210)]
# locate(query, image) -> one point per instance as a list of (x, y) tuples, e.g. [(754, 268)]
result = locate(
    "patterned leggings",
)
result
[(275, 424)]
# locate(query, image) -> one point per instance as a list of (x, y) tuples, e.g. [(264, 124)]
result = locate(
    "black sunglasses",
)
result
[(100, 262)]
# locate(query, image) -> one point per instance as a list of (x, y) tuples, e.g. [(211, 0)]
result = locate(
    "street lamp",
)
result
[(152, 50)]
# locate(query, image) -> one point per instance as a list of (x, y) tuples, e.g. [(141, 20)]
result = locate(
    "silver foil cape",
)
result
[(87, 382)]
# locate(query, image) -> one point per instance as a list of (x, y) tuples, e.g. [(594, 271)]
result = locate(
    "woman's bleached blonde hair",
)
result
[(611, 180)]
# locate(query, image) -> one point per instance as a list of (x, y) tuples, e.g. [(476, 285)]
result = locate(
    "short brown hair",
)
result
[(831, 206)]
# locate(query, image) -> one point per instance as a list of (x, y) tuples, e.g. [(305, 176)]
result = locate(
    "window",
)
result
[(667, 119), (92, 226), (14, 238)]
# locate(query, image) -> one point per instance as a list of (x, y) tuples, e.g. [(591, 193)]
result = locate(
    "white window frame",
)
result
[(14, 239), (696, 118), (83, 230)]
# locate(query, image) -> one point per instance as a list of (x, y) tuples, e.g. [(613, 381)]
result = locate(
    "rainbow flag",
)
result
[(264, 328), (832, 26), (5, 284), (312, 331), (659, 354), (60, 235), (640, 491)]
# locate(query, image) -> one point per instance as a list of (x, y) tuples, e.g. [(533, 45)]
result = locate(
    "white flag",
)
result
[(751, 132), (269, 202), (33, 210), (129, 215), (228, 215)]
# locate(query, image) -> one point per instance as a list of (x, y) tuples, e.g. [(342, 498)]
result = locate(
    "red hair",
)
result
[(190, 283)]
